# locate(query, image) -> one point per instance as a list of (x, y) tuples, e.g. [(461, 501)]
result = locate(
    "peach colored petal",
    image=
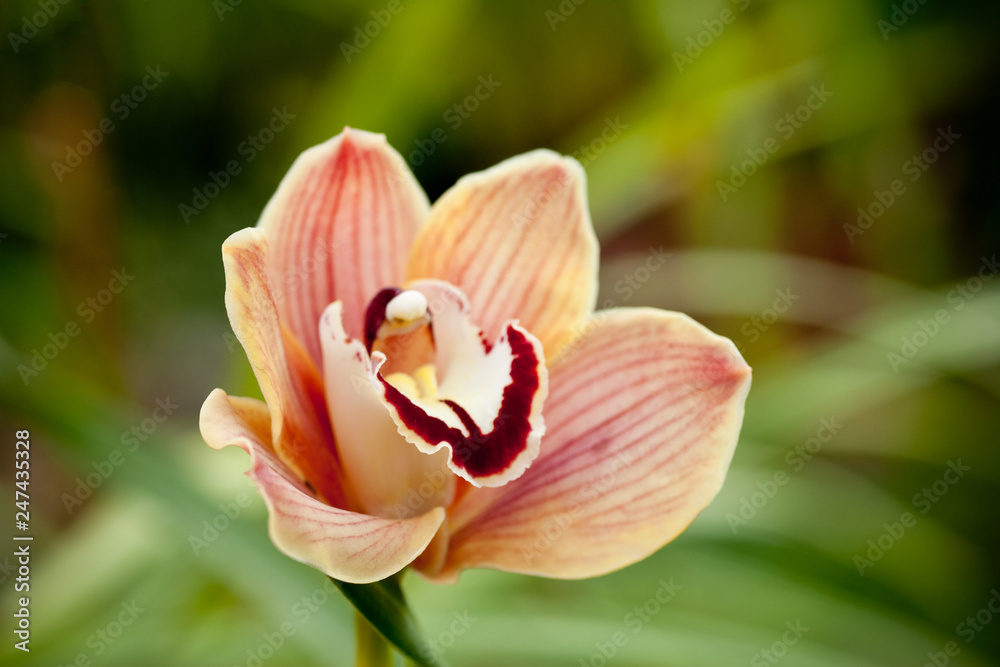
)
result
[(643, 416), (340, 226), (288, 378), (517, 239), (351, 547), (388, 476)]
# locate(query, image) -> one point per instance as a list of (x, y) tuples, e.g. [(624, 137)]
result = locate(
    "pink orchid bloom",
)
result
[(438, 390)]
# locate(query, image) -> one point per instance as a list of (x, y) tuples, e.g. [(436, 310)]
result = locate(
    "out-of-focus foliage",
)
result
[(680, 113)]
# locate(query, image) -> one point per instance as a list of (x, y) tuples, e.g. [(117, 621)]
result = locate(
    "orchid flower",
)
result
[(438, 389)]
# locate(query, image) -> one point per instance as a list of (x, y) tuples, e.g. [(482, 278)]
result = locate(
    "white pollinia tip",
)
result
[(406, 306)]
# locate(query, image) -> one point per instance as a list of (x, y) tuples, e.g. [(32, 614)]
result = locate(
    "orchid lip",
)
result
[(479, 453), (479, 400)]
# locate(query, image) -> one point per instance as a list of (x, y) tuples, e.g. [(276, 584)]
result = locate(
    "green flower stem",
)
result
[(373, 649)]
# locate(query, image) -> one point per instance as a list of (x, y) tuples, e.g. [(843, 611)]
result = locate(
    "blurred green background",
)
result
[(742, 136)]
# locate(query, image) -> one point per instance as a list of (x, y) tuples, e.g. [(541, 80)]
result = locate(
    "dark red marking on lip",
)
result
[(482, 455), (487, 346), (375, 313)]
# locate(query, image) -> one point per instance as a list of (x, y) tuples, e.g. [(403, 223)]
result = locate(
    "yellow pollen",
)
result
[(421, 385)]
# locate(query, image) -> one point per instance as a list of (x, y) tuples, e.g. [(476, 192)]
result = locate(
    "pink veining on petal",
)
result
[(517, 239), (349, 546), (644, 415), (340, 225), (288, 378)]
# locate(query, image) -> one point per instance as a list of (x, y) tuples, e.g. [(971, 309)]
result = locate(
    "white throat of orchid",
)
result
[(454, 401)]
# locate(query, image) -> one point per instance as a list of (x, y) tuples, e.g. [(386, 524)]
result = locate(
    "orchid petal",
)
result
[(345, 545), (517, 239), (340, 226), (290, 382), (388, 476), (644, 413)]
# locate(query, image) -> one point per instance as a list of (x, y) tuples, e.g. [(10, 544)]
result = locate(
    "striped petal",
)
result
[(340, 227), (288, 378), (642, 419), (517, 239), (345, 545)]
